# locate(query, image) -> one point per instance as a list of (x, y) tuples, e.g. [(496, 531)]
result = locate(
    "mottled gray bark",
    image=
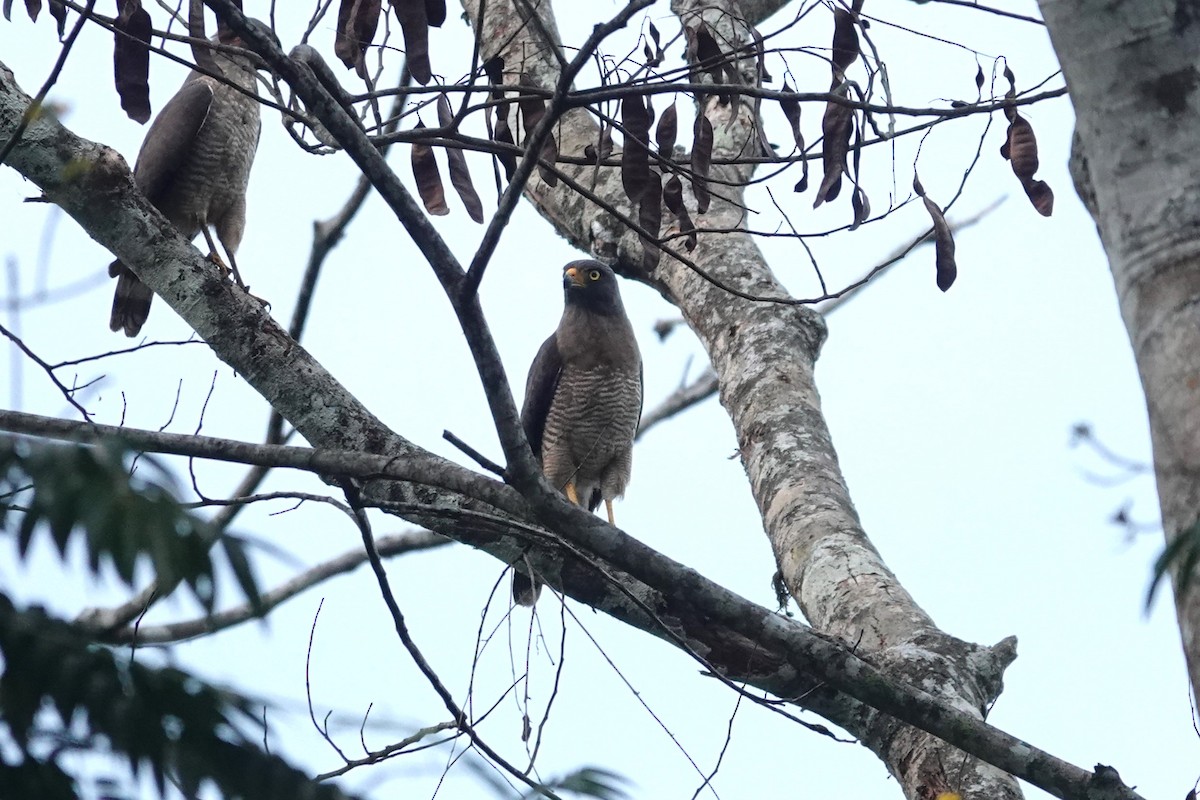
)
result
[(764, 354), (1131, 69)]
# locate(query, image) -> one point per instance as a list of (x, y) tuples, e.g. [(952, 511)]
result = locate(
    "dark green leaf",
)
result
[(1180, 555)]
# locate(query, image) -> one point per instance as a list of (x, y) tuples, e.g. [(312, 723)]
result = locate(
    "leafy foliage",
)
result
[(587, 782), (75, 488), (161, 719), (1184, 552)]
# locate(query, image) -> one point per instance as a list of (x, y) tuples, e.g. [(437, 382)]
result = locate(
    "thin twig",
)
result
[(478, 457), (35, 107), (67, 393), (533, 145), (355, 500)]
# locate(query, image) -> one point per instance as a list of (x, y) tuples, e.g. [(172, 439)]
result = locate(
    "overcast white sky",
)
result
[(951, 414)]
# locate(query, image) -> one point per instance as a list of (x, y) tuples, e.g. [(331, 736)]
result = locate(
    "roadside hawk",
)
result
[(583, 398), (194, 166)]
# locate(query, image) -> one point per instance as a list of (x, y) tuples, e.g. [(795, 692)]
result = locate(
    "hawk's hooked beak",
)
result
[(573, 277)]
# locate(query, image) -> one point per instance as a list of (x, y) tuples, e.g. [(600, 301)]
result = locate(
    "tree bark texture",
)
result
[(764, 354), (1131, 69)]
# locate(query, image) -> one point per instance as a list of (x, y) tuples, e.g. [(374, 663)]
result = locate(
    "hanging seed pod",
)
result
[(131, 59), (357, 22), (460, 176), (943, 240), (702, 145), (664, 134), (428, 179), (635, 155)]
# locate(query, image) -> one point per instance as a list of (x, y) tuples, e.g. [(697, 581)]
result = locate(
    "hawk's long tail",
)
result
[(131, 301)]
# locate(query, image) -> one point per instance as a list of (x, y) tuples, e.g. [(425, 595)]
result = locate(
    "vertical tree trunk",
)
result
[(1132, 73), (764, 354)]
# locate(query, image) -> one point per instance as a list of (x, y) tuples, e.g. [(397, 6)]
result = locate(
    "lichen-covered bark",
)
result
[(764, 354), (1131, 69)]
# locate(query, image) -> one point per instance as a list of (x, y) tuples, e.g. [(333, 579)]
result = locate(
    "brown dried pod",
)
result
[(357, 22), (1021, 148), (845, 43), (650, 218), (594, 155), (708, 52), (658, 49), (635, 154), (428, 178), (131, 59), (503, 134), (836, 127), (32, 8), (548, 157), (533, 108), (791, 110), (673, 198), (1041, 196), (943, 239), (460, 176), (666, 131), (651, 61), (861, 205), (760, 57), (414, 26), (494, 69), (702, 145)]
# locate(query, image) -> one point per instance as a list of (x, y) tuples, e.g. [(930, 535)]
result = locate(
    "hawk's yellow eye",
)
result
[(594, 274)]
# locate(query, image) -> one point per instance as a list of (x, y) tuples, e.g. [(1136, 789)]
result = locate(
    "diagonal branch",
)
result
[(388, 546), (523, 468), (533, 144), (354, 497), (764, 357)]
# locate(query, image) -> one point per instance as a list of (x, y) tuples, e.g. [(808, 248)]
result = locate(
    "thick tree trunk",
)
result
[(1132, 73), (764, 354)]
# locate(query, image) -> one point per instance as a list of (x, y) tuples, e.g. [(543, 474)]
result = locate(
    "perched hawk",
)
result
[(583, 397), (194, 166)]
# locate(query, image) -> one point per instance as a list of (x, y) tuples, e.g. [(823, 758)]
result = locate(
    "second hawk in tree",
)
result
[(194, 166)]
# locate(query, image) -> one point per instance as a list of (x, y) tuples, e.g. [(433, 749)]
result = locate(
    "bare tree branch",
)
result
[(461, 720), (388, 546)]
